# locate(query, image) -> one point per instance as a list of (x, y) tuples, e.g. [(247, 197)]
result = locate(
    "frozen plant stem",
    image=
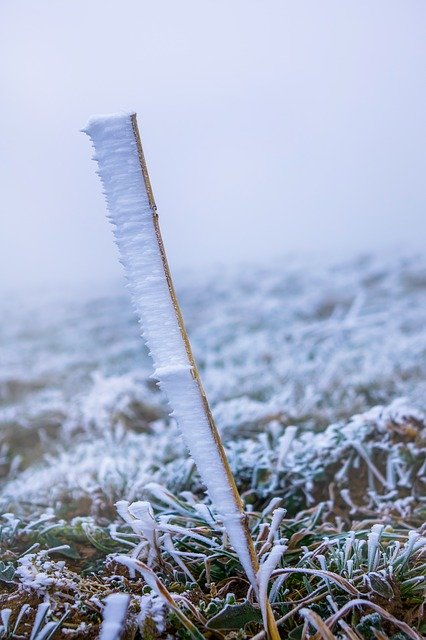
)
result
[(133, 213)]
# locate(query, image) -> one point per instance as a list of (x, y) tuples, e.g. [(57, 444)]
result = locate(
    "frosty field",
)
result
[(316, 377)]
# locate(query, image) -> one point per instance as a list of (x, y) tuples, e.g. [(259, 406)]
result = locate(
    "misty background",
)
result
[(269, 128)]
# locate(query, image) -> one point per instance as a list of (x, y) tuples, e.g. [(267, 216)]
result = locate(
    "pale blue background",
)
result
[(269, 127)]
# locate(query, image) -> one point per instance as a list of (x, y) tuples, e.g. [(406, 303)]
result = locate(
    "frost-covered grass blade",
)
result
[(132, 211)]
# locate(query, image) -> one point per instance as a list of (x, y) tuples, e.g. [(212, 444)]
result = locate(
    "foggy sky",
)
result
[(268, 126)]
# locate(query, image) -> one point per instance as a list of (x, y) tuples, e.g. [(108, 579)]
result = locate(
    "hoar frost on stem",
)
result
[(132, 211)]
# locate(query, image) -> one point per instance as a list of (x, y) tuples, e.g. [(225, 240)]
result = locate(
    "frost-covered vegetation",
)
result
[(316, 377)]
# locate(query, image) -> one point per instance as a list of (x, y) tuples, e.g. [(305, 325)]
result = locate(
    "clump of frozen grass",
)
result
[(370, 466), (172, 556), (38, 627), (93, 475), (117, 401), (36, 572), (373, 465)]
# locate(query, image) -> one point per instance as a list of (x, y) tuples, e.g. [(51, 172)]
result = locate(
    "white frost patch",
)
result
[(152, 607), (106, 469), (36, 572), (114, 616), (110, 401)]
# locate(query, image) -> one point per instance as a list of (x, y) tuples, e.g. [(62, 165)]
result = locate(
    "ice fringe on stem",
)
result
[(132, 211), (114, 616)]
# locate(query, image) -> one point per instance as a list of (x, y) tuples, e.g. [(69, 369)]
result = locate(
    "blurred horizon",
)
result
[(269, 129)]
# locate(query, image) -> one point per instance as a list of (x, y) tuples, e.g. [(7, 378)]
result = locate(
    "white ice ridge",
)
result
[(130, 212)]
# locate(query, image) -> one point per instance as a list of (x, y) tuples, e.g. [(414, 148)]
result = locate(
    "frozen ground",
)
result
[(316, 375), (295, 344)]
